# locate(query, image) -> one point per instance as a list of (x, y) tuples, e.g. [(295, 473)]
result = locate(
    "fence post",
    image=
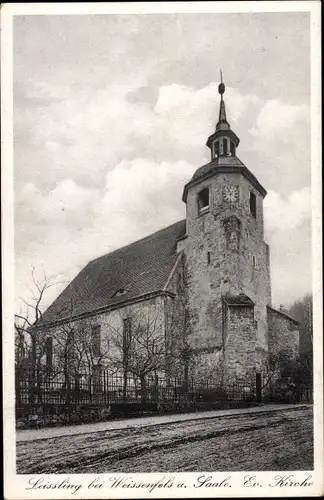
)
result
[(90, 389), (258, 387), (299, 392), (104, 386), (37, 385), (18, 378), (192, 389), (76, 387)]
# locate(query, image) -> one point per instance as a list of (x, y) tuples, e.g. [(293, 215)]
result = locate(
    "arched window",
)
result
[(216, 149), (203, 201), (221, 147), (225, 146), (253, 207)]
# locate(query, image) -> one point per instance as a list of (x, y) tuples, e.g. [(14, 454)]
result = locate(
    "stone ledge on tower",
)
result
[(238, 300)]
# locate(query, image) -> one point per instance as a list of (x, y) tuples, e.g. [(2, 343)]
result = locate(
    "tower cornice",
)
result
[(220, 132), (213, 169)]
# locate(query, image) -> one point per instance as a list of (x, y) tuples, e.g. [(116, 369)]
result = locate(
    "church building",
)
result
[(203, 282)]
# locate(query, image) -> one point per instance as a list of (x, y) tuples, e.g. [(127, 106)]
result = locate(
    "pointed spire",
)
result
[(222, 116), (223, 142)]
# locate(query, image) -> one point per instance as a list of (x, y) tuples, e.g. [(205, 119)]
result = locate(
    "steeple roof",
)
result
[(222, 123), (223, 128), (223, 143)]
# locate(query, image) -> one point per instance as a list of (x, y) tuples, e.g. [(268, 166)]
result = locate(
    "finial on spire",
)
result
[(221, 86)]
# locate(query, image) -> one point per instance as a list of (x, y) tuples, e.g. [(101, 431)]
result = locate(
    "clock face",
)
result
[(231, 194)]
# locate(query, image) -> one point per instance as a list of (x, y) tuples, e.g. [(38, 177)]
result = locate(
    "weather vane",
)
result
[(221, 86)]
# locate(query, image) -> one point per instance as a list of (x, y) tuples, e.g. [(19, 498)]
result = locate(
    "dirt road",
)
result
[(276, 440)]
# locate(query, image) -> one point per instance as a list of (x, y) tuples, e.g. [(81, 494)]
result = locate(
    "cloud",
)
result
[(288, 232), (82, 137), (290, 259), (191, 114), (108, 168), (276, 117), (287, 213), (140, 197), (65, 228), (278, 146), (63, 204)]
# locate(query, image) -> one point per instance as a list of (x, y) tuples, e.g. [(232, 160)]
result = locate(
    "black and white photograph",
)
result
[(165, 315)]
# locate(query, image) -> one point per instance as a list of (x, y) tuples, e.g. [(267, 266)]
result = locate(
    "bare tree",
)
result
[(302, 310), (31, 312), (281, 376), (271, 370), (30, 341), (22, 347), (76, 352), (138, 347)]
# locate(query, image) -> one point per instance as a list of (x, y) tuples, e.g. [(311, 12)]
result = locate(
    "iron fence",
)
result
[(40, 387), (41, 391)]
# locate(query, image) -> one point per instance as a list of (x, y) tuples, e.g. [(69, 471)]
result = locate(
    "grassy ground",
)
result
[(280, 440)]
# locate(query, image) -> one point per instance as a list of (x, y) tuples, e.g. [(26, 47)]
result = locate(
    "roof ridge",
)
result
[(95, 285), (215, 161), (284, 313), (145, 238)]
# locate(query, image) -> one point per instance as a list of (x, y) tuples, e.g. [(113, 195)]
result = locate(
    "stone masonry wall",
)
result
[(232, 236), (111, 323), (283, 334), (176, 320), (187, 361), (240, 342)]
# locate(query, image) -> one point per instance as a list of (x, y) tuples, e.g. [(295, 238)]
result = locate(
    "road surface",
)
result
[(280, 438)]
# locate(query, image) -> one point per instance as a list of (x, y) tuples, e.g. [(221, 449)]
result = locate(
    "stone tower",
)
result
[(227, 260)]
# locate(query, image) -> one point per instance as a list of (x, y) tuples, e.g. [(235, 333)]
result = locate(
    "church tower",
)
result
[(227, 259)]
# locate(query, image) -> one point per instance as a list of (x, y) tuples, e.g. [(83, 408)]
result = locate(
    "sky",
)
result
[(111, 117)]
